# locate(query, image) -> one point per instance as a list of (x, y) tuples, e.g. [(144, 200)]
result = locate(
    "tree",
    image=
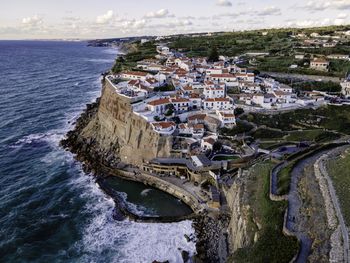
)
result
[(213, 54), (217, 146), (118, 65), (239, 111)]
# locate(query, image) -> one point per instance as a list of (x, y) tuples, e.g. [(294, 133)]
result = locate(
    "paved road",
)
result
[(336, 205)]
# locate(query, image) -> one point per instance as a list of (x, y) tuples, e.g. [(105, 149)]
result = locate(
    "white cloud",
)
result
[(134, 24), (314, 5), (310, 23), (342, 16), (162, 13), (33, 21), (223, 3), (105, 18), (269, 11)]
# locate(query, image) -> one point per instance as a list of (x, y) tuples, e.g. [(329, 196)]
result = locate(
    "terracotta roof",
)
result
[(218, 100), (194, 96), (159, 102), (133, 82), (163, 124), (177, 100), (320, 60), (222, 75), (209, 140), (198, 126), (182, 125), (135, 73), (281, 93), (197, 117), (227, 115)]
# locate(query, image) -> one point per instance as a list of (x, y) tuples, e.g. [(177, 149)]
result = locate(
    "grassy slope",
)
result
[(339, 170), (328, 117), (272, 245)]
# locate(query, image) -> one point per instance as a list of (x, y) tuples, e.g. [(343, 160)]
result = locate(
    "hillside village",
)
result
[(225, 122), (192, 99)]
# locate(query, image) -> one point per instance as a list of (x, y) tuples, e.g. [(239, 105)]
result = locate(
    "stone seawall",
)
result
[(162, 185)]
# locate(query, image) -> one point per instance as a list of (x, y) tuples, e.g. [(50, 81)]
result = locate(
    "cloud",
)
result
[(134, 24), (314, 5), (342, 16), (162, 13), (33, 21), (269, 11), (105, 18), (223, 3), (310, 23)]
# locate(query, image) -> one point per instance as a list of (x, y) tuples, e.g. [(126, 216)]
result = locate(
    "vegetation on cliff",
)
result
[(134, 53), (271, 245), (339, 170)]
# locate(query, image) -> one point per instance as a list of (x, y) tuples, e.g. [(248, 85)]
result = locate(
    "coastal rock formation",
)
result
[(241, 226), (118, 134)]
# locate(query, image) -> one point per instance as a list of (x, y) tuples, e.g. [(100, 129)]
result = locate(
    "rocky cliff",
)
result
[(118, 134), (241, 228)]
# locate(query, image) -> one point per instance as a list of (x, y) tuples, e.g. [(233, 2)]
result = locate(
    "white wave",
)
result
[(52, 137), (145, 192), (133, 208), (126, 241)]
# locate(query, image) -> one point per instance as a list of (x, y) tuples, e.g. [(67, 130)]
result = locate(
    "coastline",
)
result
[(209, 229)]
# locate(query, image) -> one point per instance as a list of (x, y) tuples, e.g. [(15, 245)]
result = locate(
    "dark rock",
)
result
[(185, 256)]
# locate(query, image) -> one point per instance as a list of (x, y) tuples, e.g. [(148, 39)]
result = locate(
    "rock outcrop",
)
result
[(241, 226), (117, 133)]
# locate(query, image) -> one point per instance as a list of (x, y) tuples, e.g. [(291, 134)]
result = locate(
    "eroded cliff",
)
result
[(119, 134)]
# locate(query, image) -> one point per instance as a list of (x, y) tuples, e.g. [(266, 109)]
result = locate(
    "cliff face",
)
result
[(242, 230), (115, 127)]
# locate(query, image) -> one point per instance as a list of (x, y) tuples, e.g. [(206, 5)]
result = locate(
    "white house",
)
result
[(226, 77), (339, 56), (212, 71), (266, 101), (283, 97), (285, 88), (180, 104), (197, 130), (196, 101), (345, 88), (319, 64), (218, 104), (227, 118), (163, 50), (164, 127), (184, 129), (212, 93), (159, 106), (248, 77), (249, 87), (135, 75), (207, 143)]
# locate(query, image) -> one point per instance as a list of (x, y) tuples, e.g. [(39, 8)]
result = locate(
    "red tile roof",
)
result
[(159, 102)]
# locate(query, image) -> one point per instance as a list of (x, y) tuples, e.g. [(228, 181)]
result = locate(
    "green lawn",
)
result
[(272, 245), (339, 170)]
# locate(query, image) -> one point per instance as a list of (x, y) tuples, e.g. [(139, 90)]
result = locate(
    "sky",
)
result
[(87, 19)]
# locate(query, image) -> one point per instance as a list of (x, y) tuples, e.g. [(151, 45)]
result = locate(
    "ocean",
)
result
[(50, 210)]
